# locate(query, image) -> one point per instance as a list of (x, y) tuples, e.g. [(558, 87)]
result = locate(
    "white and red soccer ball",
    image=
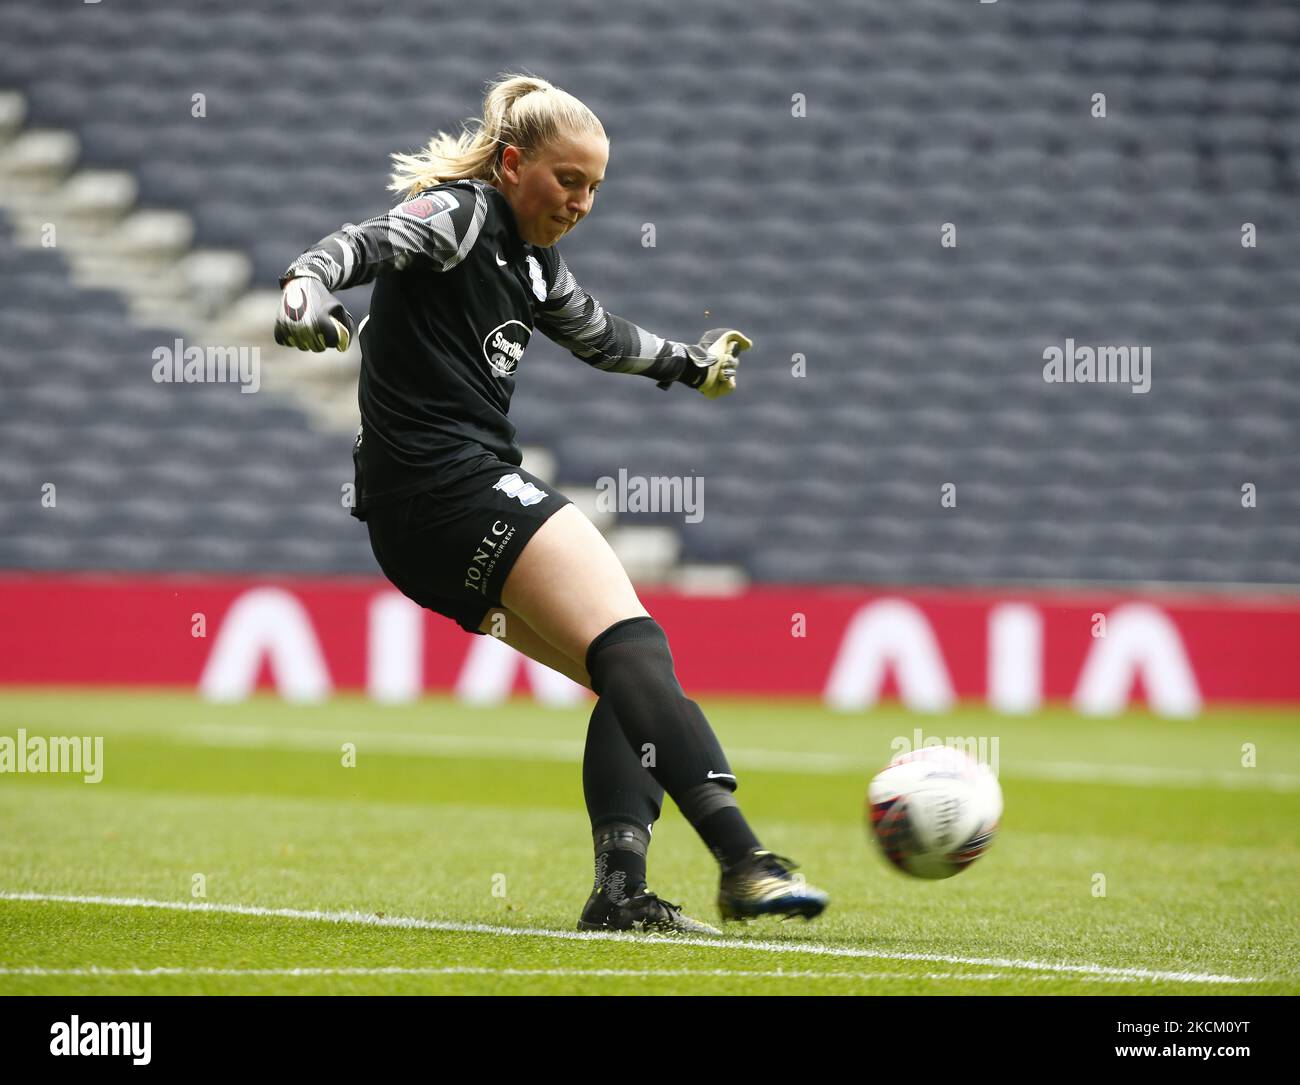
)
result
[(934, 811)]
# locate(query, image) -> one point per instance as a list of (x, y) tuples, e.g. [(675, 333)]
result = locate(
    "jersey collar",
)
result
[(510, 224)]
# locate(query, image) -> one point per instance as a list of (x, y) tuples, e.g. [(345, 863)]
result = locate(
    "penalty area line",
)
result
[(451, 926)]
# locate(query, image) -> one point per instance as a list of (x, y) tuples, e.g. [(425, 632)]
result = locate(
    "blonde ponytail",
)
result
[(518, 109)]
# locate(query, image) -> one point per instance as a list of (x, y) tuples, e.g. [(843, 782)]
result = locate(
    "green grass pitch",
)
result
[(455, 855)]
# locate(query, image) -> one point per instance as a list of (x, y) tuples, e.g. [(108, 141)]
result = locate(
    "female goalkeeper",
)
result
[(465, 268)]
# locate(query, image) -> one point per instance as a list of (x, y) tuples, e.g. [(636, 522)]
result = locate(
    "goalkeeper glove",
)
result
[(311, 318), (711, 363)]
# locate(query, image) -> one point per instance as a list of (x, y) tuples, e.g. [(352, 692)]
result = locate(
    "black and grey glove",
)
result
[(712, 362), (311, 318)]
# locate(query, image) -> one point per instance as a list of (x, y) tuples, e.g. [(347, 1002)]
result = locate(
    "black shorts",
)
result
[(451, 548)]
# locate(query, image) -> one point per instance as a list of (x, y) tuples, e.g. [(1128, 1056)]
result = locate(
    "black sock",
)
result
[(631, 666), (729, 836), (620, 860), (615, 784), (623, 802)]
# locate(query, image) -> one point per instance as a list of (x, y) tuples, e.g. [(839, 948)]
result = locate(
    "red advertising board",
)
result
[(850, 646)]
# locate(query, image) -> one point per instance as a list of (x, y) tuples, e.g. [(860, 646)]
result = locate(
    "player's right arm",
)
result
[(436, 229)]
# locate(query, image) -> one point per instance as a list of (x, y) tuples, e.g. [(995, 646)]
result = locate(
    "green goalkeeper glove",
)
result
[(712, 362)]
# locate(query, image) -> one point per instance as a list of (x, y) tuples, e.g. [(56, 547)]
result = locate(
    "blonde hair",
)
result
[(518, 109)]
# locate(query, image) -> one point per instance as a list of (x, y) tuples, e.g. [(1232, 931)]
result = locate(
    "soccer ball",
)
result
[(934, 811)]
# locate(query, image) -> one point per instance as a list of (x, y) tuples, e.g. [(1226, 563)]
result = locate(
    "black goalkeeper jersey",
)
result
[(458, 294)]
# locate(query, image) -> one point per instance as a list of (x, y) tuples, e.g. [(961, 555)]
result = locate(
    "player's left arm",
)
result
[(578, 322)]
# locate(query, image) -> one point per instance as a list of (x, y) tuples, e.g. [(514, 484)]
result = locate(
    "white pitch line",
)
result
[(813, 948), (631, 973), (258, 736)]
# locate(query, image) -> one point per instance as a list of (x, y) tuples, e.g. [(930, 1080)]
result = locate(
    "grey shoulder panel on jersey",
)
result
[(437, 226), (440, 224)]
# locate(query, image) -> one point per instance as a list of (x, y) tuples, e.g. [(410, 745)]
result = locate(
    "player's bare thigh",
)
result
[(569, 586), (500, 623)]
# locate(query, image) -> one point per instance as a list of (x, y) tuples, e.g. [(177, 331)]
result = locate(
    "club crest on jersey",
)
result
[(504, 345), (537, 278), (428, 205)]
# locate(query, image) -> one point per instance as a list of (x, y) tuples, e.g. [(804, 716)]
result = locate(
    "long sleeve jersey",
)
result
[(457, 296)]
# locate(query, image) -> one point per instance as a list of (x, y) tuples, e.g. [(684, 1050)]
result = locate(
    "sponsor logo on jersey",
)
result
[(504, 345)]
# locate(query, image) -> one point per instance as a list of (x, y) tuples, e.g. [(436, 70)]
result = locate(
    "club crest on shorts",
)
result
[(513, 486)]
